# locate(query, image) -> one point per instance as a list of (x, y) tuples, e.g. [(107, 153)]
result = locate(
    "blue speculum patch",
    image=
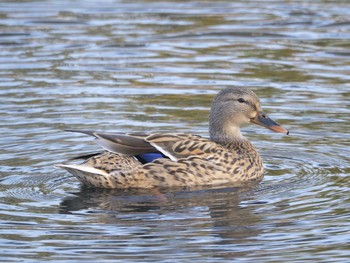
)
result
[(149, 157)]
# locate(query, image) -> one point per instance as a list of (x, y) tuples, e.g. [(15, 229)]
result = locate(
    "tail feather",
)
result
[(89, 175)]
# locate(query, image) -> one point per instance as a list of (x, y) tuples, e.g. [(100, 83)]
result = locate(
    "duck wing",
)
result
[(128, 144), (172, 145)]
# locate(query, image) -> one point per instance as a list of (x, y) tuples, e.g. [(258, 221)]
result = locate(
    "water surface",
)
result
[(155, 66)]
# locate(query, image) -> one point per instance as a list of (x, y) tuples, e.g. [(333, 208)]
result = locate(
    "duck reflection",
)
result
[(219, 211)]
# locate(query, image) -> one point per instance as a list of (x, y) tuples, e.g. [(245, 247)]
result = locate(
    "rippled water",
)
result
[(150, 66)]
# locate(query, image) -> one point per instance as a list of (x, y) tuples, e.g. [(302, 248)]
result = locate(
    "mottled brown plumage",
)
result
[(188, 160)]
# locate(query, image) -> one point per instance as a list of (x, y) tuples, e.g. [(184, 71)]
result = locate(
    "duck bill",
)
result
[(263, 120)]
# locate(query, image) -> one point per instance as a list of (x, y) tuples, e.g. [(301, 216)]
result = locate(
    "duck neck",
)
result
[(225, 135)]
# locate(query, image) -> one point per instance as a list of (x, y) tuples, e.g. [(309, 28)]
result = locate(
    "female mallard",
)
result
[(179, 159)]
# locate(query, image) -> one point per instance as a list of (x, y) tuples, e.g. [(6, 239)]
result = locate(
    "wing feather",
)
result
[(180, 145), (173, 145), (128, 144)]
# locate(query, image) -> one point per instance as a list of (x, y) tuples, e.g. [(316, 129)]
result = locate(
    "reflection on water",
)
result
[(155, 66), (217, 217)]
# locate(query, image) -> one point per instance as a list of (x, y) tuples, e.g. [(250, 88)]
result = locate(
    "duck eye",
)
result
[(241, 100)]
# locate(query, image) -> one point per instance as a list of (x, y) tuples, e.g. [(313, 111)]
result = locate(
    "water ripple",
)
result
[(122, 66)]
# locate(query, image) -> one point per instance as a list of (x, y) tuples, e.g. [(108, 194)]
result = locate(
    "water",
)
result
[(150, 66)]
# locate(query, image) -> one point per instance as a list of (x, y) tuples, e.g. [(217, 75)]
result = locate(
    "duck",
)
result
[(175, 159)]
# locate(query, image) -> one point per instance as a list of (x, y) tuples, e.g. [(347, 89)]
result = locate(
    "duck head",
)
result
[(232, 108)]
